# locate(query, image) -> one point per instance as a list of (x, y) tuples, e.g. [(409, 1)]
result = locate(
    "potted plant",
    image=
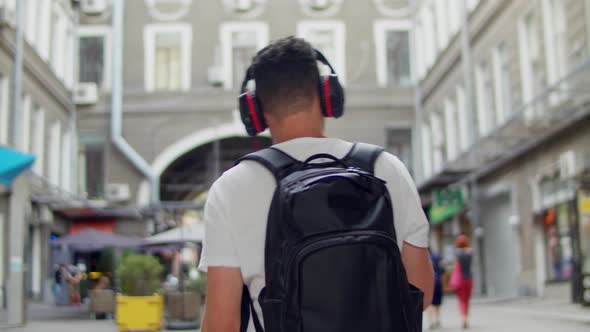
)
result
[(186, 304), (139, 307)]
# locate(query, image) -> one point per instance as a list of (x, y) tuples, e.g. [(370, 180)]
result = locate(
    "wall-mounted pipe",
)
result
[(117, 105)]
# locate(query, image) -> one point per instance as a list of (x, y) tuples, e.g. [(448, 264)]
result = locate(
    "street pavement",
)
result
[(486, 315)]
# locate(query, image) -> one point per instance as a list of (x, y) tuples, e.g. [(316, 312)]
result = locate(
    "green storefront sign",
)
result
[(445, 204)]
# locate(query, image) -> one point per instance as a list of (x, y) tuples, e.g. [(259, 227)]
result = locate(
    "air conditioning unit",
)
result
[(567, 164), (86, 94), (117, 192), (93, 7), (215, 75)]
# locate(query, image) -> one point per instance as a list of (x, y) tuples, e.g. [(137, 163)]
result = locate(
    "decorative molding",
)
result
[(246, 9), (393, 8), (320, 8), (160, 15)]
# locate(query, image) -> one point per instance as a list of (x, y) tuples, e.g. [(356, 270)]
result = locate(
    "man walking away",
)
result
[(343, 239)]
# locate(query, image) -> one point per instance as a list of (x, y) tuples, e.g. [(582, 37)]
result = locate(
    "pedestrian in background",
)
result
[(73, 277), (462, 280), (434, 312)]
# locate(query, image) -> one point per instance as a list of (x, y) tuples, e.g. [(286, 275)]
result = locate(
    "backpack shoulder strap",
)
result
[(363, 156), (279, 163)]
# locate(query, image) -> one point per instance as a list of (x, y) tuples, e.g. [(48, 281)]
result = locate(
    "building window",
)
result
[(464, 136), (486, 118), (429, 35), (92, 165), (426, 150), (59, 41), (55, 153), (419, 50), (44, 29), (531, 69), (452, 131), (399, 143), (168, 51), (38, 140), (454, 14), (392, 43), (329, 38), (31, 22), (25, 132), (94, 55), (438, 141), (555, 33), (239, 43), (66, 168), (502, 85), (4, 110), (442, 24)]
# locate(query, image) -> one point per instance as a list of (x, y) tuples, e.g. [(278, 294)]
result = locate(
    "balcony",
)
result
[(553, 111)]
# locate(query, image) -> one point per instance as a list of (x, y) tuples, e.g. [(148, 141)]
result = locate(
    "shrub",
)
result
[(139, 275)]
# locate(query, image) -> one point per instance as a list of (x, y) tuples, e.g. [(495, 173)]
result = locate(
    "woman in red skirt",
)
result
[(463, 256)]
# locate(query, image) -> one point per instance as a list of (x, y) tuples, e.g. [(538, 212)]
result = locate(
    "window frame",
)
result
[(59, 32), (380, 29), (525, 50), (556, 58), (25, 132), (150, 33), (38, 140), (225, 35), (451, 116), (339, 64), (465, 139), (106, 33), (502, 94), (427, 151), (55, 137), (485, 107), (4, 109), (44, 30)]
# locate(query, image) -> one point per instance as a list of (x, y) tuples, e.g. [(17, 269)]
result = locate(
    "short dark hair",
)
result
[(286, 75)]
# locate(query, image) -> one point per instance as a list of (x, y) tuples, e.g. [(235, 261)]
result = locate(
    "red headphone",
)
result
[(330, 91)]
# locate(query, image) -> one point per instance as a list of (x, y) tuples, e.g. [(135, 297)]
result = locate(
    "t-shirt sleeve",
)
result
[(410, 222), (218, 245)]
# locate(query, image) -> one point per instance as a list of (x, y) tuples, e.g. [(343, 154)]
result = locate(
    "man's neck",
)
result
[(298, 125), (280, 138)]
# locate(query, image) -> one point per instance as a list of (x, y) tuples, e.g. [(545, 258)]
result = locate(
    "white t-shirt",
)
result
[(239, 201)]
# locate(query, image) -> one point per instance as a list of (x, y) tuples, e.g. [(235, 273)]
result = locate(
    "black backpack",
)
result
[(332, 263)]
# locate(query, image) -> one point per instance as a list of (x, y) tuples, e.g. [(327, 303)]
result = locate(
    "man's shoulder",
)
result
[(247, 176)]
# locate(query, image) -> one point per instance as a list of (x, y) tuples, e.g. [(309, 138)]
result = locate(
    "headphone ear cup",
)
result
[(251, 113), (331, 96)]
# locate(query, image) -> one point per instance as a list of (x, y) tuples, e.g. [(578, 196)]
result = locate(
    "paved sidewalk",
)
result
[(521, 315)]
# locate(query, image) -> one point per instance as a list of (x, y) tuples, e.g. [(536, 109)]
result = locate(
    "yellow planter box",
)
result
[(143, 313)]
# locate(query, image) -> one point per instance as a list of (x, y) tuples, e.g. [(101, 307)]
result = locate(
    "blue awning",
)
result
[(12, 164)]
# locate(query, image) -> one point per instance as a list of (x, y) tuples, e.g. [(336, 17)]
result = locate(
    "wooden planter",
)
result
[(102, 301), (184, 306)]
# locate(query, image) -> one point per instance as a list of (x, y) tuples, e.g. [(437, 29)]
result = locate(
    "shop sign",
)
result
[(445, 204)]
